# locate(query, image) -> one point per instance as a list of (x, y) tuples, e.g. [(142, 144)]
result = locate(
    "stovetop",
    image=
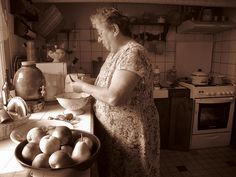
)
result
[(210, 84), (209, 91)]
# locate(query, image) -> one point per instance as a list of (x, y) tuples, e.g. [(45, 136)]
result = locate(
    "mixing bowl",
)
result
[(74, 169), (73, 102)]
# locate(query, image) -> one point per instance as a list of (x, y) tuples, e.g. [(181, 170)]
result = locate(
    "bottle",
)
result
[(171, 75), (156, 79), (5, 89)]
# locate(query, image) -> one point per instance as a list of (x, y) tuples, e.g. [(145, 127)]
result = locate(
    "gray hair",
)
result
[(110, 15)]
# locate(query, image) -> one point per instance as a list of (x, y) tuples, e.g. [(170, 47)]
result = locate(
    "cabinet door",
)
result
[(180, 123), (163, 107), (233, 136)]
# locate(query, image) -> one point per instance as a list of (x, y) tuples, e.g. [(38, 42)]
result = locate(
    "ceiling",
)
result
[(209, 3)]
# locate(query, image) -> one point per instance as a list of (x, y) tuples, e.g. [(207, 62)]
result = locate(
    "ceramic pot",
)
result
[(29, 81), (199, 78)]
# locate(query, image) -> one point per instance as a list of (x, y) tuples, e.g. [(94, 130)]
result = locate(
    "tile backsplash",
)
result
[(224, 54)]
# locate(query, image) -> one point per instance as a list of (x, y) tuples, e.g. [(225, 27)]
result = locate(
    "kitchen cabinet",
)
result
[(175, 112), (180, 119), (233, 136), (163, 106)]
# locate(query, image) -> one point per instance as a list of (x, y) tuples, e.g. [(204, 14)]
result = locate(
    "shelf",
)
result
[(190, 26), (145, 33), (25, 9)]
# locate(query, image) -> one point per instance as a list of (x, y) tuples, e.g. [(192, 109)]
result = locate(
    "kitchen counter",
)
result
[(160, 92), (9, 167)]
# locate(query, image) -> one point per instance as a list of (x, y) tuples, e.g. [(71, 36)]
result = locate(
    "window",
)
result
[(3, 37)]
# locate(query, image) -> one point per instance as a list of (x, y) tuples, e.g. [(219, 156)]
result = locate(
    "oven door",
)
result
[(213, 115)]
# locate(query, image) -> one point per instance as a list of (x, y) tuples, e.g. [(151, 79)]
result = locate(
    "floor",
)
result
[(211, 162)]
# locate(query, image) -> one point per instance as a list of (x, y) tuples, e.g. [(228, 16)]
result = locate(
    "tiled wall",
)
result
[(224, 54)]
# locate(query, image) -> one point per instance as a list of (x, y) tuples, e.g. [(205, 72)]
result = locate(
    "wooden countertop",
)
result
[(9, 167)]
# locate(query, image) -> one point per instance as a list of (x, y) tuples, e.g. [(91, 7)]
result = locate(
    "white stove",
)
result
[(209, 91), (212, 114)]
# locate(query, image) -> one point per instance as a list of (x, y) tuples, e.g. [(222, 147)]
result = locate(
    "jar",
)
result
[(29, 81)]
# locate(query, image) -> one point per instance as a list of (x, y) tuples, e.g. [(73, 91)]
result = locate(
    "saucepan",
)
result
[(200, 78), (218, 79)]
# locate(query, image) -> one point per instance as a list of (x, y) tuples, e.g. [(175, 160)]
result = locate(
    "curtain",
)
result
[(3, 36)]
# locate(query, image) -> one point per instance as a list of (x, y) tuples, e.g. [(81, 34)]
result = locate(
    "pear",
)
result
[(81, 152), (60, 159), (87, 140)]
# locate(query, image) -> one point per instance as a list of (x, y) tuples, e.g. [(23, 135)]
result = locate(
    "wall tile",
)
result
[(84, 35), (169, 66), (160, 58), (170, 46), (224, 58), (85, 46), (96, 46), (171, 35), (216, 67), (216, 57), (232, 57), (96, 54), (161, 66), (86, 56), (225, 46), (232, 46), (223, 68), (217, 46), (230, 69)]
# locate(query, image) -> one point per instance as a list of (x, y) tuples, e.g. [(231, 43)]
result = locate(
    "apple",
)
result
[(35, 134), (60, 159), (63, 133), (30, 151), (67, 148), (81, 152), (49, 144), (41, 161)]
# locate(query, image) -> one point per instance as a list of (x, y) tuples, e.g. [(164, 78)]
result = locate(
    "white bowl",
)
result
[(73, 102)]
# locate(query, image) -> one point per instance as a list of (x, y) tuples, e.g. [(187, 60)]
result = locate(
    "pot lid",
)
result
[(199, 72)]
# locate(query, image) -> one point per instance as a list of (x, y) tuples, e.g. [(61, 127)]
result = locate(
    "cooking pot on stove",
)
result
[(218, 79), (200, 78)]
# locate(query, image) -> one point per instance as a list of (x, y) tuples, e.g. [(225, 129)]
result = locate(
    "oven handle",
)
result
[(214, 100)]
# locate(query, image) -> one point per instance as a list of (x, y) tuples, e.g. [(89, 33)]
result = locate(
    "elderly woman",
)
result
[(127, 119)]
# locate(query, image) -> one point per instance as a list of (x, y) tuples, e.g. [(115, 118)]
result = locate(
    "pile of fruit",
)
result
[(56, 148)]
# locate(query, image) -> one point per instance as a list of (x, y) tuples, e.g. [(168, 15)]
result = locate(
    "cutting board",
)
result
[(191, 56)]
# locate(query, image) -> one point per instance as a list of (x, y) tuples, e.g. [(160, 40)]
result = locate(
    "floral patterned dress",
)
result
[(129, 133)]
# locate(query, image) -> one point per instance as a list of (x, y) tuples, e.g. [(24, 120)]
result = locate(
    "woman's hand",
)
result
[(77, 85)]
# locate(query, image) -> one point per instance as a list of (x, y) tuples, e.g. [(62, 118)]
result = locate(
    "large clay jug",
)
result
[(29, 81)]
